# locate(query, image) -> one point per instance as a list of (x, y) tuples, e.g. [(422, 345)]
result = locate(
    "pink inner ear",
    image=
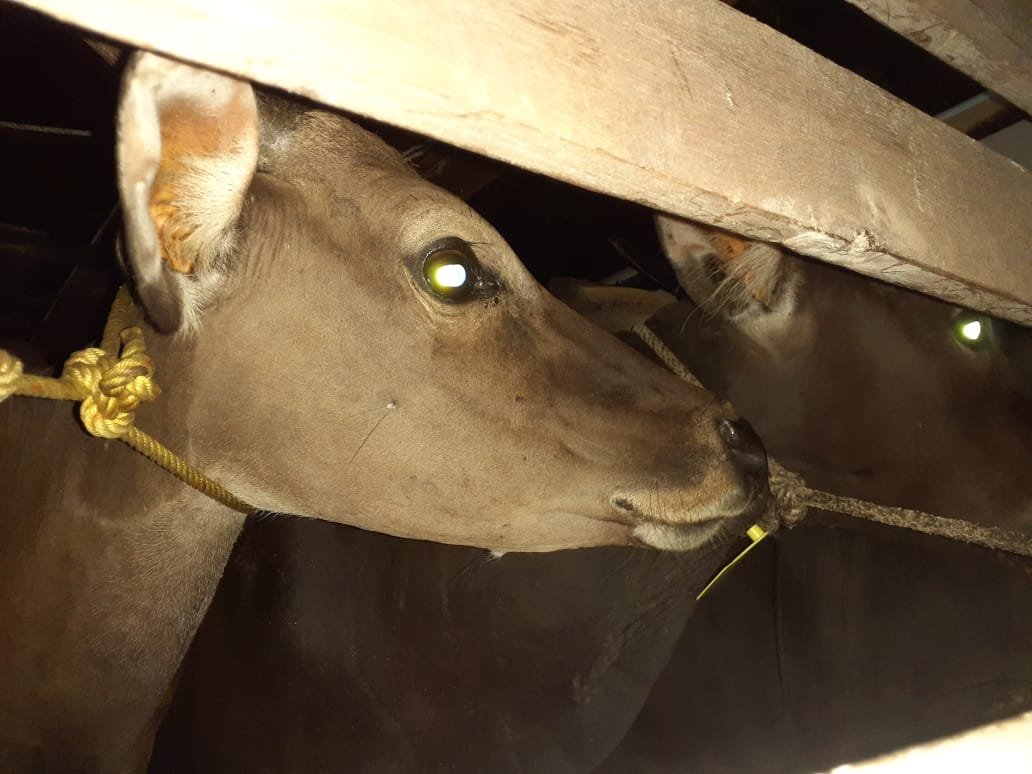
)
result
[(194, 128), (187, 150), (209, 148), (752, 274)]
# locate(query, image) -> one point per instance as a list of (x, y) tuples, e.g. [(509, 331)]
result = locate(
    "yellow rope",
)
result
[(111, 382), (664, 353), (10, 374)]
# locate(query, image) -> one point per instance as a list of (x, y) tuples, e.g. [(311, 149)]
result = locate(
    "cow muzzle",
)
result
[(745, 448), (664, 515)]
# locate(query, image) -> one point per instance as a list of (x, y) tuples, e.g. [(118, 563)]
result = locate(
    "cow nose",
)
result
[(744, 446)]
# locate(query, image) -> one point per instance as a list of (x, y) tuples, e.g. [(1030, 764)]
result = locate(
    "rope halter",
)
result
[(112, 388), (111, 382)]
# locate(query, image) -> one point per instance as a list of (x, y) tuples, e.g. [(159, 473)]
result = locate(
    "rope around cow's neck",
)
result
[(112, 382), (791, 497)]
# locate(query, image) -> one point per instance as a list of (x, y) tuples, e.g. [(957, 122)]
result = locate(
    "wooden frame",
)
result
[(988, 40), (688, 107)]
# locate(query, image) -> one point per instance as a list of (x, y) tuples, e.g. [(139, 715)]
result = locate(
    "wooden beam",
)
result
[(988, 40), (1014, 142), (688, 107)]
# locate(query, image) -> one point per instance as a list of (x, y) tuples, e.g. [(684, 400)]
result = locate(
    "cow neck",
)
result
[(119, 560), (111, 382)]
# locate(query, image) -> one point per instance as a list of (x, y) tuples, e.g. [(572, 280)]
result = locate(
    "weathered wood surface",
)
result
[(988, 40), (688, 107)]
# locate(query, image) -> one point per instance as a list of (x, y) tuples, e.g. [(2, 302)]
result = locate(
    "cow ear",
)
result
[(690, 253), (187, 151), (726, 275)]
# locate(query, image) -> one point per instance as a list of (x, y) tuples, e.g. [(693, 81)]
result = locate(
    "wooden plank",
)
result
[(1014, 142), (988, 40), (688, 107)]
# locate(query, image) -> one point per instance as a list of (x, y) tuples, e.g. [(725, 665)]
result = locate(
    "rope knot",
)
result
[(788, 496), (10, 373), (112, 387)]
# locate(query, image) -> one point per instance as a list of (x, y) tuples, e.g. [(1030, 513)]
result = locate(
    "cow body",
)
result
[(409, 656), (312, 363), (835, 644), (471, 674), (105, 579)]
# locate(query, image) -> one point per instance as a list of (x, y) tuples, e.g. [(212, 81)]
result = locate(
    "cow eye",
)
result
[(449, 274), (971, 331), (452, 272)]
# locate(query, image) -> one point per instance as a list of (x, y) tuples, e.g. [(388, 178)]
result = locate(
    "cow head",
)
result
[(351, 343), (868, 389)]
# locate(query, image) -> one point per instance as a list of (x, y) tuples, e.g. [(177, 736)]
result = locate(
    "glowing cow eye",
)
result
[(971, 331), (449, 273), (452, 272)]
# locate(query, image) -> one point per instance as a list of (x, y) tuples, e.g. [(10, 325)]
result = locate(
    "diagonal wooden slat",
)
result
[(988, 40)]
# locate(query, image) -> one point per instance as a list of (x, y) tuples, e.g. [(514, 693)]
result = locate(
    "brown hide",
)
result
[(837, 644), (397, 655), (372, 399), (823, 647), (309, 366), (830, 646), (866, 389)]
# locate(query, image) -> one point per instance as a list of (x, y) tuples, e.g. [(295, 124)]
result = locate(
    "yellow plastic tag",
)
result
[(755, 533)]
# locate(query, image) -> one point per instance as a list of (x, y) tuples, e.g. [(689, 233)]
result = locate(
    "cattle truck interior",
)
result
[(424, 621)]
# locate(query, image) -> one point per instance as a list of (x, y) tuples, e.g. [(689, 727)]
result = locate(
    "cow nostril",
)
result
[(744, 446), (623, 504)]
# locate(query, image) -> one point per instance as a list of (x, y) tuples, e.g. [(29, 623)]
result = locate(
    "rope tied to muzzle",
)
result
[(791, 499), (111, 382)]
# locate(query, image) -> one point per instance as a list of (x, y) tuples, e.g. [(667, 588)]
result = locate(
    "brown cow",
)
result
[(837, 644), (343, 341), (454, 663)]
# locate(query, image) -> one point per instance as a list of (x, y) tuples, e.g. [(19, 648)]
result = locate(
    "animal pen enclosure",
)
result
[(697, 76), (693, 109)]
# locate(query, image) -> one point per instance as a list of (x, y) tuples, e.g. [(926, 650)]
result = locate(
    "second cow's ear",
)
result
[(726, 275), (187, 151)]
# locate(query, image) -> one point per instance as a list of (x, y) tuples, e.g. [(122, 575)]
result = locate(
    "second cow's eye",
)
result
[(452, 272), (972, 331)]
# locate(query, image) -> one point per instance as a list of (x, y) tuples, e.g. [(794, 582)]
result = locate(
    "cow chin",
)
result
[(717, 524), (689, 537)]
